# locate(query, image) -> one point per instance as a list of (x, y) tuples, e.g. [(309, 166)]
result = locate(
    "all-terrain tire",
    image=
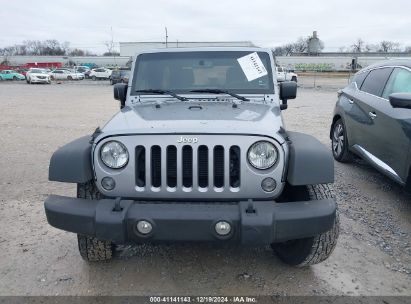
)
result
[(92, 249), (313, 250)]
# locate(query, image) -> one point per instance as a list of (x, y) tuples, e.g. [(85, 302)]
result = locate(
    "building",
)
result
[(131, 48)]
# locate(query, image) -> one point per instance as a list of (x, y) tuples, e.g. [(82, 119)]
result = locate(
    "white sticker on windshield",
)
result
[(247, 115), (252, 66)]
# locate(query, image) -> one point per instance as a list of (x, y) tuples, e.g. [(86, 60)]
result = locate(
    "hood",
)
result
[(199, 117), (39, 74)]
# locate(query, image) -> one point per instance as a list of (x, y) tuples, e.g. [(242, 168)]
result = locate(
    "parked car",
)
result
[(199, 152), (11, 75), (283, 74), (81, 69), (372, 119), (60, 74), (119, 76), (87, 74), (35, 75), (22, 71), (100, 73)]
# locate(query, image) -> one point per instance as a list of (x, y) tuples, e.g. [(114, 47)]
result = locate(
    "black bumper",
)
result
[(268, 222)]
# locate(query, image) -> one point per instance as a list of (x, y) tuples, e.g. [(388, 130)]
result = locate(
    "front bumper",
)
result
[(38, 80), (253, 222)]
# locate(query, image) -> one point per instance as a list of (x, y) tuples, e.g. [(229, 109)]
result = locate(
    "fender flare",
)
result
[(72, 162), (309, 162)]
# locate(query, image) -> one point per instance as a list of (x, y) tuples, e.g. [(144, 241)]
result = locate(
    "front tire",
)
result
[(92, 249), (313, 250), (294, 79), (339, 142), (94, 78)]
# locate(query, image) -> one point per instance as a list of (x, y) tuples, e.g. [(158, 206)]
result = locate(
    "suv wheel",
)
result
[(94, 78), (92, 249), (69, 78), (313, 250), (339, 142), (294, 79)]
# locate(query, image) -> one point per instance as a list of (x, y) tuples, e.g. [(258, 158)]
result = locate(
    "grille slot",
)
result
[(172, 166), (140, 166), (187, 166), (203, 166), (156, 166), (235, 161), (219, 166)]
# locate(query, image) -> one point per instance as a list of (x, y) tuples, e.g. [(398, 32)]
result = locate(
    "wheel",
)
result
[(92, 249), (313, 250), (339, 142), (1, 78), (15, 78), (52, 77), (111, 81), (69, 78), (94, 78), (294, 78)]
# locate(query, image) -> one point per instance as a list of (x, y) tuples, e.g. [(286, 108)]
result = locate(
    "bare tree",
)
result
[(358, 46), (288, 49), (386, 46), (278, 51), (301, 45), (37, 47)]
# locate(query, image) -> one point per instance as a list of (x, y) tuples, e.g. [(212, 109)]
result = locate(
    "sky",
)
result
[(88, 24)]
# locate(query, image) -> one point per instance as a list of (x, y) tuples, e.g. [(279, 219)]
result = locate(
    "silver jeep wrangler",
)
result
[(198, 152)]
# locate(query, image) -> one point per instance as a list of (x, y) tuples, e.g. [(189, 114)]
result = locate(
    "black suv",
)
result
[(119, 76), (372, 119)]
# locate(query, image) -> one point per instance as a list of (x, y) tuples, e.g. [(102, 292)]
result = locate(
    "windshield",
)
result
[(183, 72), (38, 71)]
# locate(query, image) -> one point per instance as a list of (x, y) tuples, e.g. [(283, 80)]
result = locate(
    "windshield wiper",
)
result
[(218, 91), (163, 92)]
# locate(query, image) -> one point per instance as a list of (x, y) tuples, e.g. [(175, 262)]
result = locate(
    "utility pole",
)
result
[(166, 37), (112, 46)]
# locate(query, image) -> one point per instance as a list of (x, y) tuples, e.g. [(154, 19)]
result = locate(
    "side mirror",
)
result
[(120, 93), (400, 100), (288, 90)]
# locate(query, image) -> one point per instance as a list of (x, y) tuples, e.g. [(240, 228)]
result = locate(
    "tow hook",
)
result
[(117, 207), (250, 207)]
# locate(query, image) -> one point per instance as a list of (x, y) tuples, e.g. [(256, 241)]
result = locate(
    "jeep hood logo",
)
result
[(189, 140)]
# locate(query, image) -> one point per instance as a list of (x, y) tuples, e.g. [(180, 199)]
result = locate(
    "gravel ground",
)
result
[(373, 256)]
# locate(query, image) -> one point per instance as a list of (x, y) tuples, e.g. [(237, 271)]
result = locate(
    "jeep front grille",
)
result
[(188, 167), (215, 167)]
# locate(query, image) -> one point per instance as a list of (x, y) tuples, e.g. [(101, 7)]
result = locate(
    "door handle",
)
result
[(372, 115)]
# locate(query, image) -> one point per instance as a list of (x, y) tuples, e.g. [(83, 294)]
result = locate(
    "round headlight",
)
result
[(262, 155), (114, 154)]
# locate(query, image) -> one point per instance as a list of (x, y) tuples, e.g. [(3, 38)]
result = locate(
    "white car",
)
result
[(35, 75), (100, 73), (61, 74), (283, 74)]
